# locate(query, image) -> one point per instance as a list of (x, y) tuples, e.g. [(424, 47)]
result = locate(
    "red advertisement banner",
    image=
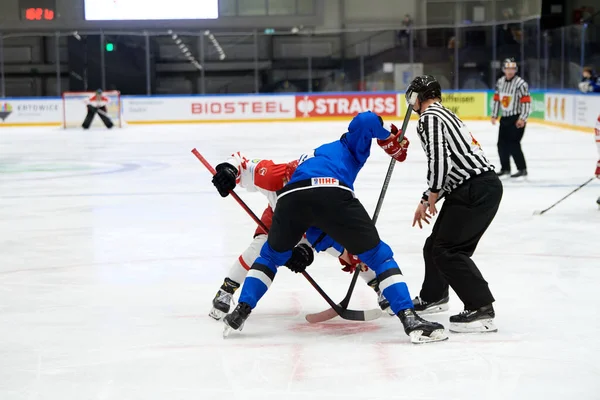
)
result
[(340, 105)]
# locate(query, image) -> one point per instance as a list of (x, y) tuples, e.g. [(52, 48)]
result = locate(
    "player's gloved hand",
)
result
[(224, 179), (350, 262), (302, 257), (598, 170), (395, 149)]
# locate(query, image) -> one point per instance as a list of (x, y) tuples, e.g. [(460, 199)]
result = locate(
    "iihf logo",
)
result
[(325, 182)]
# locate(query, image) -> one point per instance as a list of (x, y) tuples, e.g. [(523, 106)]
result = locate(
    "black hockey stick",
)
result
[(353, 315), (538, 212), (327, 314)]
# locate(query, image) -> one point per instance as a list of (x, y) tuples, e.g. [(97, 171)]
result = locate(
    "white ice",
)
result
[(112, 245)]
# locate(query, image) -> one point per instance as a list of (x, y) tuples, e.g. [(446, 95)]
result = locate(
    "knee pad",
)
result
[(275, 258), (378, 257)]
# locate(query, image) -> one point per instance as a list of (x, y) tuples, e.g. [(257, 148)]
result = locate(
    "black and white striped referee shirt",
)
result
[(453, 154), (513, 97)]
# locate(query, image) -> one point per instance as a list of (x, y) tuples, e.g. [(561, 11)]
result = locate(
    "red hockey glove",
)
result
[(353, 264), (397, 150), (598, 170)]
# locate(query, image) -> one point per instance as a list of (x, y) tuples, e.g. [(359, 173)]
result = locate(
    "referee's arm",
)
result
[(524, 101), (436, 148), (496, 107)]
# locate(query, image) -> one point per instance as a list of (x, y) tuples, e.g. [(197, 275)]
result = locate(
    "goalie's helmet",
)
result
[(426, 87), (510, 63), (99, 91)]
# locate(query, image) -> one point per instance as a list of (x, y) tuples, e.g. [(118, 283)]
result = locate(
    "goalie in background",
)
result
[(97, 105)]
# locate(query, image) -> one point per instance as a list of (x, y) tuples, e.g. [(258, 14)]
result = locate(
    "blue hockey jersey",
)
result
[(344, 158)]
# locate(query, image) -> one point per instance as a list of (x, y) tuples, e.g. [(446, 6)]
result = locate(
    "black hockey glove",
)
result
[(224, 179), (302, 257)]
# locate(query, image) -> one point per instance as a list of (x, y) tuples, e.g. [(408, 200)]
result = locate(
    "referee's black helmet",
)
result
[(510, 63), (426, 87)]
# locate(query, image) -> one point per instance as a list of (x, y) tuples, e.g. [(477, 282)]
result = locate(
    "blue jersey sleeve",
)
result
[(363, 128), (312, 234)]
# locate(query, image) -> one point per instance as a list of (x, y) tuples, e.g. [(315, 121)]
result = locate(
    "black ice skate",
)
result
[(520, 174), (598, 201), (503, 173), (384, 304), (474, 321), (430, 307), (420, 330), (223, 298), (235, 320)]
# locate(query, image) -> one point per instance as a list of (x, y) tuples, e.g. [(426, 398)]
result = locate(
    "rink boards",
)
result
[(566, 109)]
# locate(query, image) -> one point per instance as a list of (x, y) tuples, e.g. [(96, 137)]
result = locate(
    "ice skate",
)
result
[(420, 330), (474, 321), (424, 307), (223, 299), (384, 304), (235, 320), (598, 201), (503, 173), (520, 174)]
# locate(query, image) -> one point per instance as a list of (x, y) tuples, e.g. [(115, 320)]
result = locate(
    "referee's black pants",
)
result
[(509, 143), (465, 216)]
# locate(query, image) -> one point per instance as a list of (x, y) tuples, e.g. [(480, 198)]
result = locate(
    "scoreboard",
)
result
[(79, 14)]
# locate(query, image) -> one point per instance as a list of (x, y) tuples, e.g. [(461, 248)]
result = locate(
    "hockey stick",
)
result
[(329, 314), (353, 315), (538, 212)]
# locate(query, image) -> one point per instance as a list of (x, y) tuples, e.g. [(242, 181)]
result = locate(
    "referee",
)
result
[(512, 95), (459, 171)]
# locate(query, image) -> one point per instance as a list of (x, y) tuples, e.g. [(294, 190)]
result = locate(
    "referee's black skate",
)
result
[(423, 307), (420, 330), (222, 300), (520, 174), (503, 173), (235, 320), (474, 321)]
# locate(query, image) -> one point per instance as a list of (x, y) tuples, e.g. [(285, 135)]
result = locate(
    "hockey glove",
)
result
[(598, 170), (353, 264), (224, 179), (395, 149), (302, 257)]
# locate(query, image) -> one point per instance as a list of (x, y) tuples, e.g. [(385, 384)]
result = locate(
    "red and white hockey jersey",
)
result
[(97, 101), (264, 176)]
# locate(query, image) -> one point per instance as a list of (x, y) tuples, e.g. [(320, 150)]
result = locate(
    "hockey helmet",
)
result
[(510, 63), (426, 87), (99, 91)]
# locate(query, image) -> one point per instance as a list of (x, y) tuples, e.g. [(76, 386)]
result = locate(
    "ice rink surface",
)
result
[(113, 244)]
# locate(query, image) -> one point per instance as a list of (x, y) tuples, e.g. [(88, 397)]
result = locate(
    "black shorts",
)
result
[(334, 210)]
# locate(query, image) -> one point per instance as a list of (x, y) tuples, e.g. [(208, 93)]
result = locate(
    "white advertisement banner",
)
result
[(30, 111), (587, 109), (207, 108)]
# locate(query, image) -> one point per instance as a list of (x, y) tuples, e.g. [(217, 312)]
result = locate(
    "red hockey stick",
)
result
[(353, 315)]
